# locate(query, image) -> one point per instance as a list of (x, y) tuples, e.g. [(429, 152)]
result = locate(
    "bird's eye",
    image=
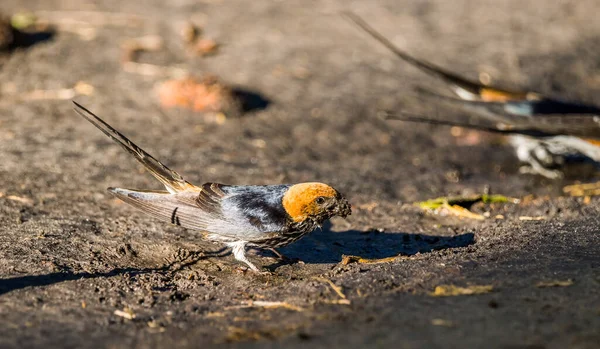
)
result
[(320, 200)]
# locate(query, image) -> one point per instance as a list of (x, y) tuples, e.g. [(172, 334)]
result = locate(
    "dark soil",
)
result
[(71, 255)]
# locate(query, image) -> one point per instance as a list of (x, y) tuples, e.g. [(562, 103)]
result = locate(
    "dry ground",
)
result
[(71, 255)]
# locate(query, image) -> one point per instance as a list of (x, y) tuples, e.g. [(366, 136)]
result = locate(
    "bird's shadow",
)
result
[(327, 246), (15, 283), (26, 39), (250, 100), (320, 247)]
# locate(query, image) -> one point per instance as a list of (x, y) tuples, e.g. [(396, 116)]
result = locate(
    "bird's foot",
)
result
[(244, 269), (283, 257)]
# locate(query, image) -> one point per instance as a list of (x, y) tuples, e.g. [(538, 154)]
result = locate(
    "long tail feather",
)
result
[(410, 117), (461, 86), (172, 180)]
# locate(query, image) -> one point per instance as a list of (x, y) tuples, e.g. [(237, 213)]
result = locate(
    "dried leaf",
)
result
[(190, 32), (585, 189), (205, 47), (442, 322), (465, 201), (207, 94), (453, 290), (125, 313), (458, 206), (23, 20)]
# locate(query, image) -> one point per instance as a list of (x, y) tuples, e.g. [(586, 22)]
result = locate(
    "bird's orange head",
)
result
[(314, 200)]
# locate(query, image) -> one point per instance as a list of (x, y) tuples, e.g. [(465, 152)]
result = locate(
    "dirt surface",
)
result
[(80, 269)]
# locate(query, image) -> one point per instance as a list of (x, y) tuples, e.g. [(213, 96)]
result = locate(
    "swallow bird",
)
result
[(544, 131), (267, 216)]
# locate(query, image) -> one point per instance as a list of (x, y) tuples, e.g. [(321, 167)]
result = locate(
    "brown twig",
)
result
[(346, 259), (154, 70), (95, 18), (335, 288), (267, 305), (80, 88)]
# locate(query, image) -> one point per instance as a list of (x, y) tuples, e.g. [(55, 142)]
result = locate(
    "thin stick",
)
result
[(337, 289)]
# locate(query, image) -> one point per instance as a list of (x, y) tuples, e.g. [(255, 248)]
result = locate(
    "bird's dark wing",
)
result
[(579, 125), (518, 114), (476, 124), (548, 117), (583, 126), (172, 180)]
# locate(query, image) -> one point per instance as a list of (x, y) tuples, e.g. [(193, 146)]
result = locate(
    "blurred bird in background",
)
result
[(543, 131), (267, 217)]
